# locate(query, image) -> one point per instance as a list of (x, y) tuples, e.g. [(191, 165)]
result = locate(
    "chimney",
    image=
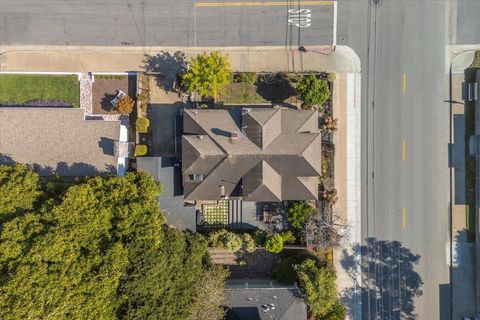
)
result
[(233, 136), (222, 191)]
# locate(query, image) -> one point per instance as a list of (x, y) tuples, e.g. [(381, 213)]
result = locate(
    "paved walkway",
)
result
[(105, 59), (346, 97), (86, 93)]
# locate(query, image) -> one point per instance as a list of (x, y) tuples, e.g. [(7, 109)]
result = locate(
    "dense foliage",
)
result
[(248, 243), (312, 91), (297, 213), (19, 189), (207, 75), (274, 243), (101, 251), (317, 280), (231, 241)]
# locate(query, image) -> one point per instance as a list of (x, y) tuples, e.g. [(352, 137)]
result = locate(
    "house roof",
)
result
[(246, 304), (267, 154), (58, 140)]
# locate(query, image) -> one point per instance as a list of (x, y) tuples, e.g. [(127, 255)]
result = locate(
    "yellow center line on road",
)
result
[(264, 3), (404, 151), (404, 84), (404, 218)]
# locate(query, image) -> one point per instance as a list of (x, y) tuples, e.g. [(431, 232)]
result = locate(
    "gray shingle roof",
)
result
[(58, 139), (246, 304), (272, 154)]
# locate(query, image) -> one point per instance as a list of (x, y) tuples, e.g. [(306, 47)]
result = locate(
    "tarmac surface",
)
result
[(165, 23), (406, 212)]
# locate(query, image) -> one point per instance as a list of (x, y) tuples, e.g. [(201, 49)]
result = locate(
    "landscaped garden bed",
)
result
[(248, 87), (39, 90), (106, 87)]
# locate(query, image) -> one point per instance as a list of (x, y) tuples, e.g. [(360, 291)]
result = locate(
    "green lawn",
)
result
[(20, 88)]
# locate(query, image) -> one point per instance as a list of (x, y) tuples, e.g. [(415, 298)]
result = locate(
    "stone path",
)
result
[(86, 93)]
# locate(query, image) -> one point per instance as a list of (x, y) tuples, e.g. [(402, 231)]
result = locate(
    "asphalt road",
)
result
[(468, 24), (163, 23), (406, 177)]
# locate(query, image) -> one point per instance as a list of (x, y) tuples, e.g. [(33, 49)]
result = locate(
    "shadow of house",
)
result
[(107, 145), (389, 281), (169, 65)]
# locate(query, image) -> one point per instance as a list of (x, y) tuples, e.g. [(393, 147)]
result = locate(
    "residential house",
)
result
[(251, 154)]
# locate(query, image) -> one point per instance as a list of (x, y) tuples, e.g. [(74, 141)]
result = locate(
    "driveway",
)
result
[(166, 129)]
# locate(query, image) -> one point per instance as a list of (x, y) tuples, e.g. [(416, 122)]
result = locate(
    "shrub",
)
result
[(142, 125), (110, 76), (331, 77), (143, 97), (260, 236), (140, 150), (288, 237), (248, 244), (312, 91), (247, 77), (231, 241), (274, 243), (297, 214), (125, 105), (225, 239)]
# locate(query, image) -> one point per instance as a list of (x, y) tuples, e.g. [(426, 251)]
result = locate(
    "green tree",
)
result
[(102, 251), (274, 243), (298, 213), (312, 91), (19, 189), (317, 280), (210, 295), (207, 74)]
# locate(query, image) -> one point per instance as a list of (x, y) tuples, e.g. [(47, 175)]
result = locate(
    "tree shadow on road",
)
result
[(169, 65), (389, 281)]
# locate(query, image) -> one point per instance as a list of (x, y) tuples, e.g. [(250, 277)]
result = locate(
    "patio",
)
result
[(242, 215), (105, 88)]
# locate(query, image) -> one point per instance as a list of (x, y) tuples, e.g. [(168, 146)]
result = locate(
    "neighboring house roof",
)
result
[(247, 304), (59, 140), (255, 154), (171, 202)]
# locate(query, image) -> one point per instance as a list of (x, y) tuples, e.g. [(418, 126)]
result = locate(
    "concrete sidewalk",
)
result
[(110, 59), (346, 100)]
